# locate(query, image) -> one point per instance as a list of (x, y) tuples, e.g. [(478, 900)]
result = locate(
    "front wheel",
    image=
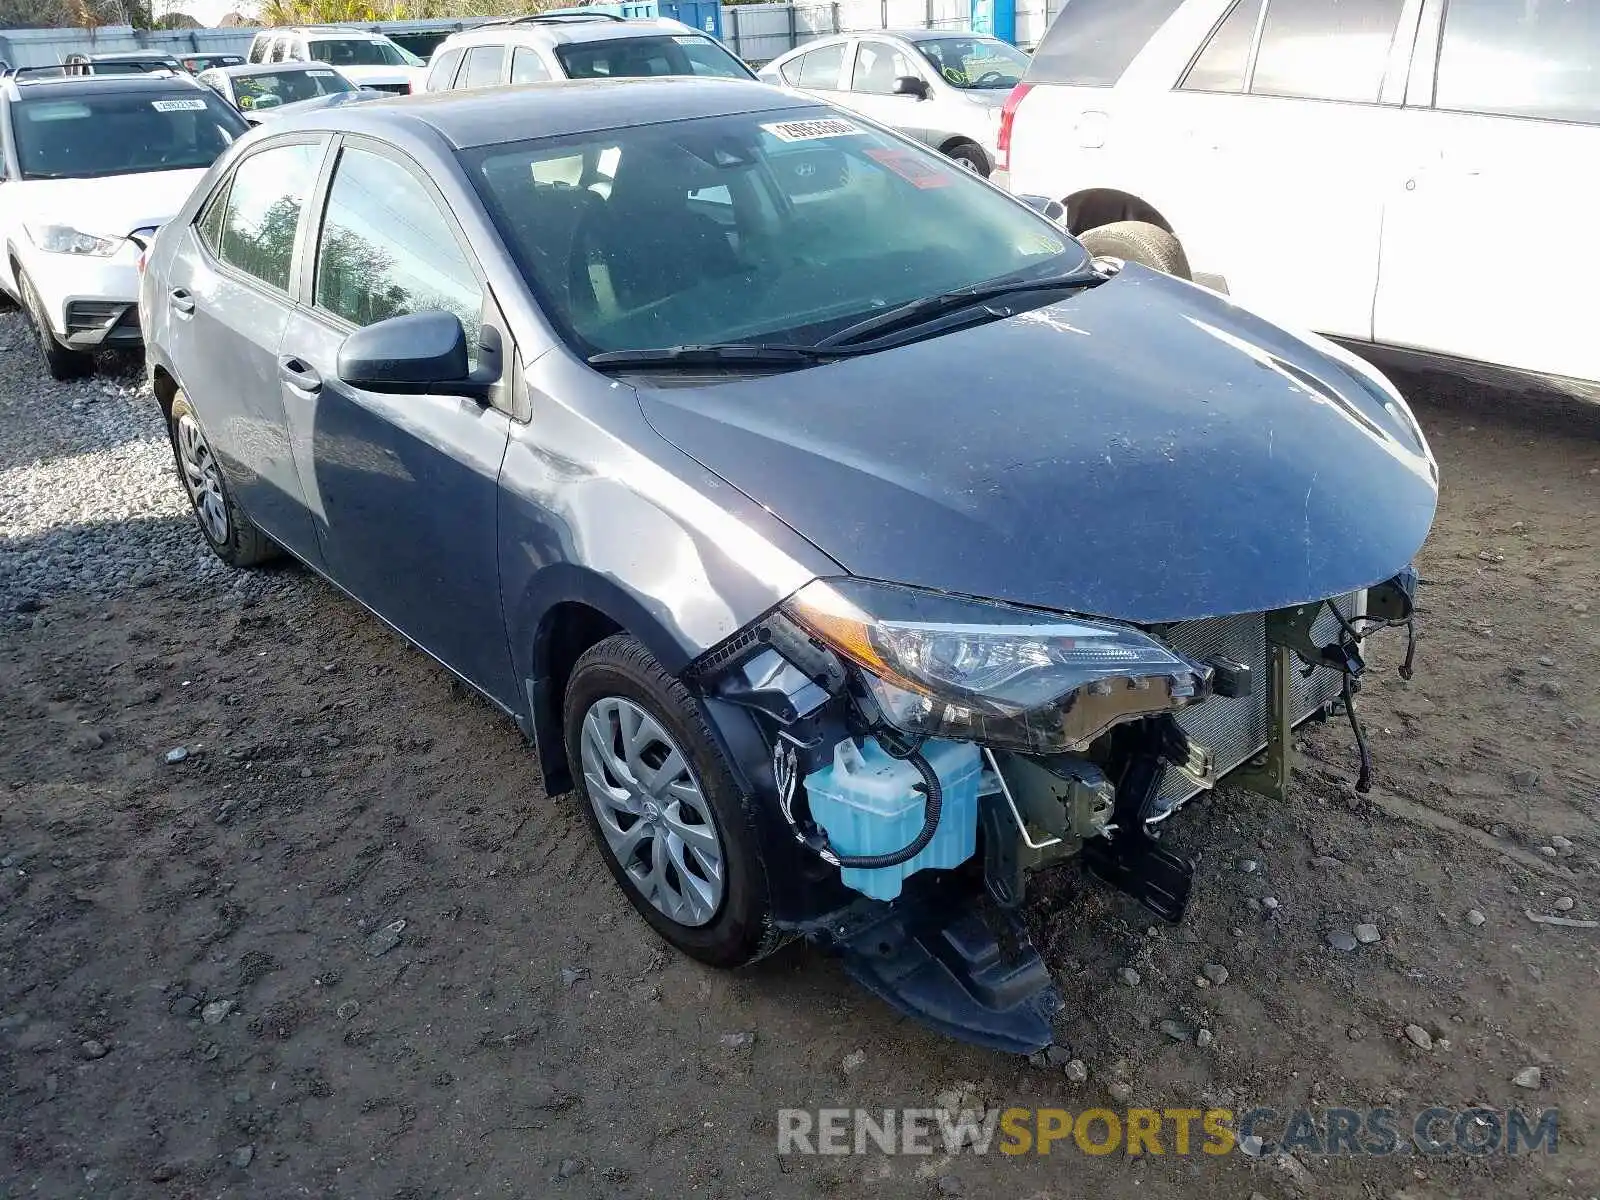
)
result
[(60, 362), (664, 807), (232, 536), (1141, 242), (969, 158)]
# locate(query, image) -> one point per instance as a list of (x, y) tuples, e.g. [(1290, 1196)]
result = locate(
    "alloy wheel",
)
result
[(203, 479), (652, 811)]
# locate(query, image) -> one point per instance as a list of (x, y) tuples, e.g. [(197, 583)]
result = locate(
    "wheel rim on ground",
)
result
[(203, 479), (966, 164), (652, 811)]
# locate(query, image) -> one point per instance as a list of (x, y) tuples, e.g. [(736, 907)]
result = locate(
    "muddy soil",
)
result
[(205, 990)]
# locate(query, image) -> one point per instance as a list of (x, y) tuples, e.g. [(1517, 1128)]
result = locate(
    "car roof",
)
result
[(492, 116), (97, 85), (566, 32)]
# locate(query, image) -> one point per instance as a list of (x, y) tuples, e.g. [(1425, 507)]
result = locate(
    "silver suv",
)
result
[(573, 45)]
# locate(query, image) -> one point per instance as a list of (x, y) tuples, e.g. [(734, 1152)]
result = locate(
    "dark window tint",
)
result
[(269, 190), (484, 64), (1535, 59), (1326, 49), (1092, 42), (819, 70), (120, 133), (387, 250), (527, 66), (878, 65), (638, 57), (443, 71), (1223, 64)]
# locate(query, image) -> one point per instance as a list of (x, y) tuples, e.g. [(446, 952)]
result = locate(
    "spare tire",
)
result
[(1139, 241)]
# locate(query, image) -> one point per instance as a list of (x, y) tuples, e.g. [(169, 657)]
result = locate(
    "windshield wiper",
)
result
[(929, 307), (729, 354)]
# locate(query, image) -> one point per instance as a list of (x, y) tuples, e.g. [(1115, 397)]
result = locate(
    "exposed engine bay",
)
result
[(929, 754)]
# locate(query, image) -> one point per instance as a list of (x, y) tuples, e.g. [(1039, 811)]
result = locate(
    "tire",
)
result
[(232, 536), (969, 157), (613, 680), (1140, 242), (60, 362)]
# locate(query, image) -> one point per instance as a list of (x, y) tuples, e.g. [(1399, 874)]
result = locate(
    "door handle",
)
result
[(299, 374), (181, 300)]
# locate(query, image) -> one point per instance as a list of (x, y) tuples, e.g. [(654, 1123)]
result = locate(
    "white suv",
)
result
[(368, 60), (1372, 169)]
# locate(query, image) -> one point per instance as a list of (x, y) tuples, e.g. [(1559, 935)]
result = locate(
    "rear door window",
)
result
[(527, 66), (483, 67), (1223, 64), (1326, 49), (263, 211), (1092, 42), (819, 70), (1521, 60)]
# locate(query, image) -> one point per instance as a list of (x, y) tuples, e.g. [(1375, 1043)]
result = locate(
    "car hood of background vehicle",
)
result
[(109, 206), (1142, 450)]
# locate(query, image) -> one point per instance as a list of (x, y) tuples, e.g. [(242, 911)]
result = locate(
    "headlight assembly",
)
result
[(946, 667), (63, 239)]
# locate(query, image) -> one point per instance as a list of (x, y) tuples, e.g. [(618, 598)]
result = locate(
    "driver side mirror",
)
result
[(1053, 210), (418, 354), (910, 85)]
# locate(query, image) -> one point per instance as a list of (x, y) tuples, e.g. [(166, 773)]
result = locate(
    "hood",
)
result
[(110, 206), (380, 76), (1143, 450)]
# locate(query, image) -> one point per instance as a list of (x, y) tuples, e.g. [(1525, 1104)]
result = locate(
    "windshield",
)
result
[(669, 54), (361, 53), (775, 227), (968, 62), (120, 133), (287, 87)]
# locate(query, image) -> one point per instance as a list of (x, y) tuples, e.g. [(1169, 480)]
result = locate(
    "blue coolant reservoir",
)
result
[(868, 802)]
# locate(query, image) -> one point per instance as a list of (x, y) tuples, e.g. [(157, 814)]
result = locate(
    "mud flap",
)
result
[(941, 963)]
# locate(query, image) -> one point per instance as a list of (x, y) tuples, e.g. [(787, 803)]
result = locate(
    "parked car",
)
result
[(92, 166), (1335, 164), (803, 538), (127, 62), (943, 87), (196, 63), (576, 45), (366, 59), (256, 89)]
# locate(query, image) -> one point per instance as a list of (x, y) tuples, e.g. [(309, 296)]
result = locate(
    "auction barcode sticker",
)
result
[(321, 74), (810, 131), (178, 105)]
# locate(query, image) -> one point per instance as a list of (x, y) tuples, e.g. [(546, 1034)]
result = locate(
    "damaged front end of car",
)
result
[(929, 752)]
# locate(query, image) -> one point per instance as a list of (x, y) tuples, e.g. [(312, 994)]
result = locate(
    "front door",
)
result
[(877, 66), (404, 489), (228, 305)]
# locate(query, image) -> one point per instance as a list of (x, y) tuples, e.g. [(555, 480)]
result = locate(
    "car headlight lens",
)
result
[(63, 239), (972, 670)]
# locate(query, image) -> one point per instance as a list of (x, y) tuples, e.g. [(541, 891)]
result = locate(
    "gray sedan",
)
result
[(943, 87)]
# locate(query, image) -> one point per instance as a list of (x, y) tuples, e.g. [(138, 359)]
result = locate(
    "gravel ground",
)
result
[(204, 991)]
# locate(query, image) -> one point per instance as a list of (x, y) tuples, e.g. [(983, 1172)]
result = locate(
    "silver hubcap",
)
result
[(651, 810), (203, 479)]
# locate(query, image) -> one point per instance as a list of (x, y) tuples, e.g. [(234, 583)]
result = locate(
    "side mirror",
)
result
[(417, 354), (910, 85), (1046, 207)]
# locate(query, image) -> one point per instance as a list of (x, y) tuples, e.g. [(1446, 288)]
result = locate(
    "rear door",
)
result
[(1507, 134), (404, 489), (823, 71), (228, 303)]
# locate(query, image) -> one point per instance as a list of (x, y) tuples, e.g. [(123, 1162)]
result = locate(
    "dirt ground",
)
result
[(335, 783)]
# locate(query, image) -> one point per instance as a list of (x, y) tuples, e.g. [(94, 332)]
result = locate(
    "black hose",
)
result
[(930, 823), (1364, 780)]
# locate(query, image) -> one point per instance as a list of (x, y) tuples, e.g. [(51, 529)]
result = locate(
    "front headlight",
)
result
[(63, 239), (942, 666)]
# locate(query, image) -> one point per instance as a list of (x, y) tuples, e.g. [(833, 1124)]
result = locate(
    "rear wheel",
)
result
[(970, 158), (232, 536), (62, 362), (1141, 242), (664, 807)]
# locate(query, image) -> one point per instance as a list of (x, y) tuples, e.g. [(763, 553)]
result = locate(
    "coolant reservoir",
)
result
[(868, 802)]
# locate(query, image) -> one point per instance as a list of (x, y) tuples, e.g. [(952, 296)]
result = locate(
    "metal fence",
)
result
[(758, 33)]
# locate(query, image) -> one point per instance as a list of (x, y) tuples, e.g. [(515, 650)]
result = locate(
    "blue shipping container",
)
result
[(704, 15), (996, 17)]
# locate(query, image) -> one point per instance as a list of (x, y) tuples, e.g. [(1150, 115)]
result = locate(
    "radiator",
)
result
[(1235, 730)]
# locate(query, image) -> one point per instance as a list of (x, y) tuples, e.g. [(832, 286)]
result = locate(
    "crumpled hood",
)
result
[(1143, 450), (110, 206)]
